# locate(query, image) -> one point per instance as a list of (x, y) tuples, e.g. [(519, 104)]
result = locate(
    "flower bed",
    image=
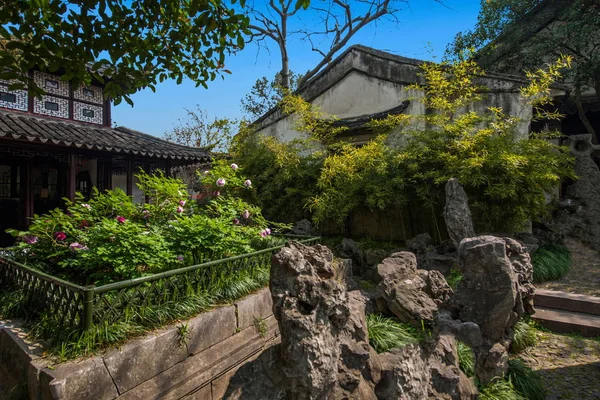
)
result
[(106, 267)]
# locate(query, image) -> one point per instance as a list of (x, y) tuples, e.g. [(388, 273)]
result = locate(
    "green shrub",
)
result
[(454, 278), (500, 389), (110, 238), (466, 359), (526, 381), (550, 262), (524, 337), (388, 333)]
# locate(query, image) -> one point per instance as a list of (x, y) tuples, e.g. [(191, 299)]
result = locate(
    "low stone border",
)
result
[(157, 365)]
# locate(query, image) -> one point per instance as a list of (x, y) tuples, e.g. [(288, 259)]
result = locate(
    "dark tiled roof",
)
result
[(38, 129), (361, 120)]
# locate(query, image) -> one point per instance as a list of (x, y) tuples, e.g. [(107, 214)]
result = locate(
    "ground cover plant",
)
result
[(550, 262), (389, 333), (466, 358)]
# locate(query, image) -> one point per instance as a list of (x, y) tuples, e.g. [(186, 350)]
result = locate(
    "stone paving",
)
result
[(584, 275), (569, 364)]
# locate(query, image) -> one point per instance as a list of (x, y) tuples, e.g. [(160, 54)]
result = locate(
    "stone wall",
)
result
[(157, 365)]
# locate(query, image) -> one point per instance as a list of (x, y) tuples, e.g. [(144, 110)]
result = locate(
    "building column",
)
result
[(129, 164), (71, 176), (27, 183)]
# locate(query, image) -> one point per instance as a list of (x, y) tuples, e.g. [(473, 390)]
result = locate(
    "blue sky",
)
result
[(425, 28)]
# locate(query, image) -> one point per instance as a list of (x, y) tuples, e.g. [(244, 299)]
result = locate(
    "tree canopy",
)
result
[(512, 35), (129, 45), (266, 94)]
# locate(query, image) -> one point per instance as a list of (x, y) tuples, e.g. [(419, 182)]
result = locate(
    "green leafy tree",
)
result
[(511, 35), (129, 45), (506, 176), (265, 94), (200, 131)]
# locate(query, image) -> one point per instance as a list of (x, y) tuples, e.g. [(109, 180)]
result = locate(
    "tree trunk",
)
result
[(285, 61), (581, 113)]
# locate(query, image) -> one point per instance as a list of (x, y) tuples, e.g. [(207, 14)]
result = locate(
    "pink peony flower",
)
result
[(182, 203), (236, 221), (246, 214), (179, 209), (76, 246), (121, 219), (248, 183), (216, 193), (60, 236), (268, 231), (180, 257), (221, 182), (234, 166), (263, 234), (30, 239), (85, 205)]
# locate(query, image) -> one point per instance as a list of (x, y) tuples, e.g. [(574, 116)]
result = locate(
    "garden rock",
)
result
[(579, 213), (424, 372), (352, 250), (457, 213), (420, 245), (404, 374), (324, 350), (494, 292), (530, 242), (304, 227), (414, 296)]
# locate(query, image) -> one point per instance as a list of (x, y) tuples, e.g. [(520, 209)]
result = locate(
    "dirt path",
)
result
[(570, 365), (584, 275)]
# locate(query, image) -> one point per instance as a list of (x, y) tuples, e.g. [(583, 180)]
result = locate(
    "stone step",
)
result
[(567, 301), (562, 321)]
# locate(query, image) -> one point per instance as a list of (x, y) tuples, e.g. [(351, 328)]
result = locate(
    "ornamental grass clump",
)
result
[(389, 333), (466, 358), (550, 262), (109, 238), (524, 336), (526, 381)]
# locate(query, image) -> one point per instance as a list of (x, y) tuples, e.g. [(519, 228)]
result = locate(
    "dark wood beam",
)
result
[(28, 191), (129, 162), (71, 176)]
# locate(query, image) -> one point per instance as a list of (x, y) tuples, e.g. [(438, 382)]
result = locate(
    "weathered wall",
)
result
[(155, 366), (364, 81), (399, 224)]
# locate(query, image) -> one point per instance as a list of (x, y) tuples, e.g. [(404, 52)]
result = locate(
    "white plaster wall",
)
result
[(92, 167), (120, 181), (358, 94)]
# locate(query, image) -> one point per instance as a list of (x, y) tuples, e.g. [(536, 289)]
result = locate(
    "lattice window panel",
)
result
[(39, 106), (21, 97), (45, 81), (79, 113), (92, 94)]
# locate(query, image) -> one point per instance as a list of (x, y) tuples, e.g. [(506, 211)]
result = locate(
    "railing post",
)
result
[(88, 308)]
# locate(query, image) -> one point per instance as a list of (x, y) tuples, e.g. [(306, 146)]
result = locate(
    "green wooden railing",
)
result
[(82, 307)]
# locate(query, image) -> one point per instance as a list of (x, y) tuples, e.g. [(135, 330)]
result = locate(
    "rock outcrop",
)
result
[(457, 213), (579, 213), (414, 296), (304, 227), (494, 292), (325, 352)]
